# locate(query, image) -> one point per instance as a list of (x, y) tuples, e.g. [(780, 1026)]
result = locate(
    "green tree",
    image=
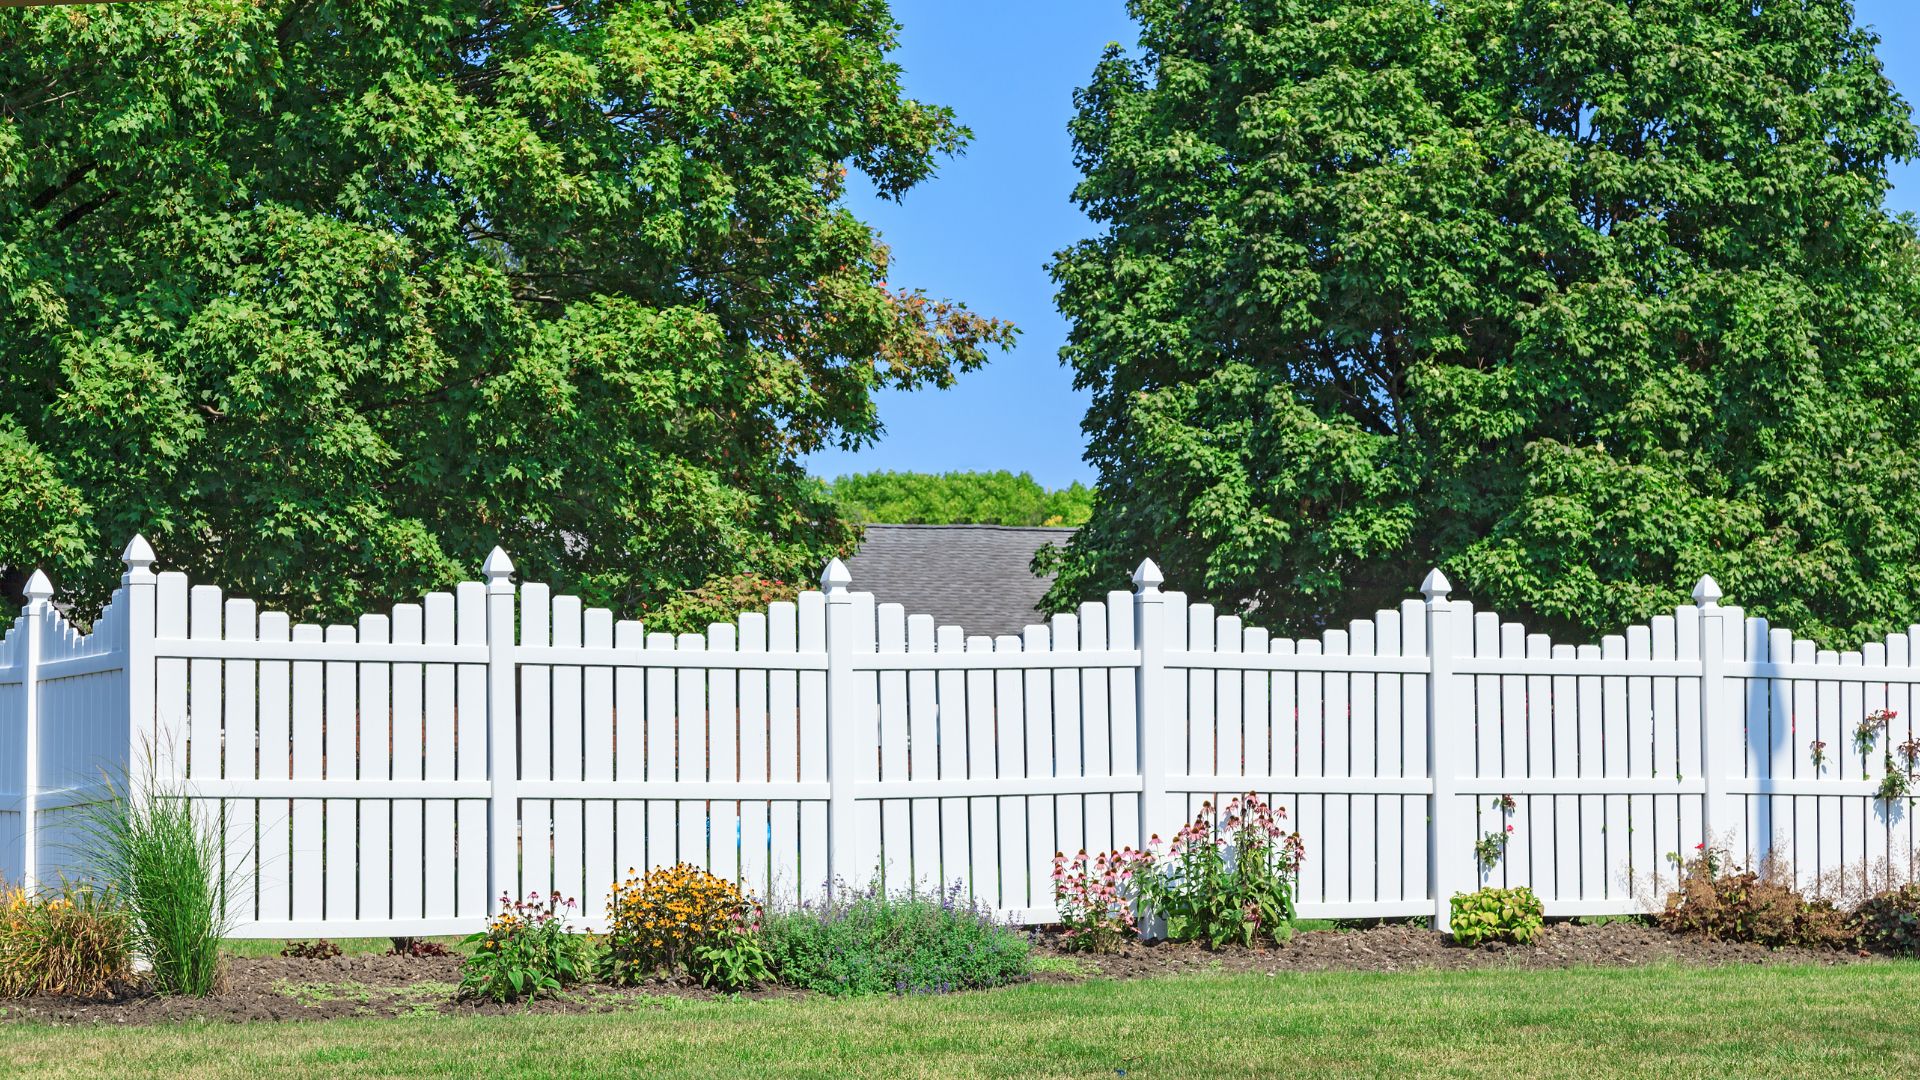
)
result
[(1578, 299), (329, 298), (960, 498)]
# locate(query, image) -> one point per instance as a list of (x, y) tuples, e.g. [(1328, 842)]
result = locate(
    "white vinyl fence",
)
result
[(398, 776)]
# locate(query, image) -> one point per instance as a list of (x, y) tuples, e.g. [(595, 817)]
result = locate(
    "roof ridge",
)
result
[(1002, 528)]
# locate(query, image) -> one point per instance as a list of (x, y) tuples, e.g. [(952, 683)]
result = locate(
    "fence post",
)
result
[(1150, 638), (138, 582), (1450, 836), (503, 746), (843, 726), (1718, 812), (33, 619)]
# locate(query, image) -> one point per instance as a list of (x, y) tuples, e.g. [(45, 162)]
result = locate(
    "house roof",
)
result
[(977, 577)]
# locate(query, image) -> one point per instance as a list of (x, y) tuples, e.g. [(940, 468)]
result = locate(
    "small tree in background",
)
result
[(1579, 299), (959, 498)]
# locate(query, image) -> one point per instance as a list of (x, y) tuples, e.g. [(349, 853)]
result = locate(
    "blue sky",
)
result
[(984, 229)]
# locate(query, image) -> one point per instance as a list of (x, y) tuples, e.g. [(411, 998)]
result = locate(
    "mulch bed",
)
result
[(1409, 948), (284, 988), (280, 988)]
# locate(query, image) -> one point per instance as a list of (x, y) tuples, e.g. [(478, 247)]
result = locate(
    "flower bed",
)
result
[(293, 989)]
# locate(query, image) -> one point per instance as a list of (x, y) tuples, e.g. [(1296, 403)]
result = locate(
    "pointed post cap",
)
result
[(139, 559), (1435, 586), (1707, 593), (1147, 578), (39, 589), (498, 568), (835, 578)]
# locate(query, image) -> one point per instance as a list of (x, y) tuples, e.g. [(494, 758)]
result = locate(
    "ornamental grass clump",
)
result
[(1230, 882), (76, 942), (165, 858), (526, 951), (682, 917), (865, 941)]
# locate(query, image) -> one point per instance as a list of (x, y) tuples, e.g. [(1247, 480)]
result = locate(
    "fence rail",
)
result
[(399, 774)]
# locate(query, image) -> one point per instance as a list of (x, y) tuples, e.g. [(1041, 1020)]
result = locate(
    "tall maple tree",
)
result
[(330, 298), (1577, 299)]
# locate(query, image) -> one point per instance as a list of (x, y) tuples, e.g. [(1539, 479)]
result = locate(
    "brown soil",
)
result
[(1405, 948), (280, 988)]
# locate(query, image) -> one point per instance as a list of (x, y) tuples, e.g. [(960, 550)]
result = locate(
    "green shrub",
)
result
[(1720, 901), (526, 951), (683, 916), (76, 942), (718, 600), (168, 865), (1511, 915), (1890, 922), (866, 942), (1206, 896)]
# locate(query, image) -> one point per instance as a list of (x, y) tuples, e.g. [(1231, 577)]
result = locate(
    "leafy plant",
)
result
[(1890, 921), (1506, 804), (1511, 915), (1817, 750), (683, 916), (731, 961), (1230, 884), (77, 942), (1489, 848), (526, 951), (1867, 732), (1745, 905), (311, 950), (1092, 897), (157, 852), (1894, 782), (864, 941), (1705, 860)]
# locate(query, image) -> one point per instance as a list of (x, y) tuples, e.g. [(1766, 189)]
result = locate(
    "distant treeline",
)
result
[(959, 498)]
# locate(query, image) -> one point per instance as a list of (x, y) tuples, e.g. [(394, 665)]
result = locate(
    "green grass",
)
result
[(1044, 964), (1582, 1024)]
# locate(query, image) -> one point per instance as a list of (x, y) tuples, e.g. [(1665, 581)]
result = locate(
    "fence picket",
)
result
[(601, 871)]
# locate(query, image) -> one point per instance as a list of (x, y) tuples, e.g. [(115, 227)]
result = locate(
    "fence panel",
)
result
[(1810, 784), (395, 775)]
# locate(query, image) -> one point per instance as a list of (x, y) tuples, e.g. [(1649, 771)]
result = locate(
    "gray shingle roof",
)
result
[(973, 576)]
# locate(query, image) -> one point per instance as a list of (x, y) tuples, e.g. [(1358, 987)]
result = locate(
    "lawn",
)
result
[(1668, 1021)]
